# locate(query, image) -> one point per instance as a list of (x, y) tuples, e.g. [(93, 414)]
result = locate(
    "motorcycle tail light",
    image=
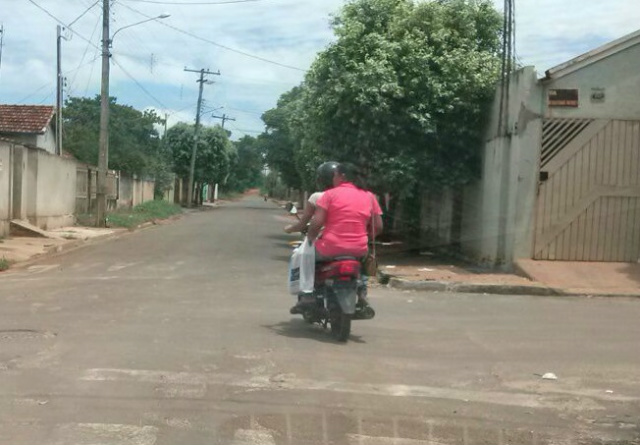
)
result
[(350, 268)]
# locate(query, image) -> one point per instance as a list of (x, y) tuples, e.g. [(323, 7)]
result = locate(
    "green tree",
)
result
[(403, 90), (213, 152), (246, 164), (134, 144), (281, 143)]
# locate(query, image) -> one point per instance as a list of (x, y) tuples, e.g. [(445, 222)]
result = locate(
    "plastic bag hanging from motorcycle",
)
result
[(302, 269)]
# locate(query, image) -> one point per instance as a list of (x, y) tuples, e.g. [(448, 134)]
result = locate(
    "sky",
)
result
[(261, 48)]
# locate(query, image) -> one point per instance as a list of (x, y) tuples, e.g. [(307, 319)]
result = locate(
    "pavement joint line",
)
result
[(104, 434), (361, 439), (269, 383)]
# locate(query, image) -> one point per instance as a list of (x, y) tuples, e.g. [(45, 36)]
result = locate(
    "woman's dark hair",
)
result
[(352, 174)]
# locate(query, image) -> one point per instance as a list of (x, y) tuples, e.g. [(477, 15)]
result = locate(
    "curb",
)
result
[(495, 289), (470, 288)]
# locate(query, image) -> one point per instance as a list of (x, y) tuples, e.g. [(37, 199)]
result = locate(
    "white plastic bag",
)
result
[(302, 268)]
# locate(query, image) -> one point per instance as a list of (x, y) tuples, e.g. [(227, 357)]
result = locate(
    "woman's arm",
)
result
[(304, 220)]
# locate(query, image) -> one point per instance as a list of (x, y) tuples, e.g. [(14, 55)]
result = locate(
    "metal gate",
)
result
[(588, 206)]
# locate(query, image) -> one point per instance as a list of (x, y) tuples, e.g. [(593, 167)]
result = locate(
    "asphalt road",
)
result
[(180, 334)]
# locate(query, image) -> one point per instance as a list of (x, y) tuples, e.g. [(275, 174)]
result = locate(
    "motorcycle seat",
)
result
[(339, 258)]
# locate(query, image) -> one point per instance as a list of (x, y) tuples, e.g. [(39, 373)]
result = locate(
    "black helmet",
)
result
[(324, 175)]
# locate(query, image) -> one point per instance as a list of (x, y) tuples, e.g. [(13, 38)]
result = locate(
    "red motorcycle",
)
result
[(340, 297)]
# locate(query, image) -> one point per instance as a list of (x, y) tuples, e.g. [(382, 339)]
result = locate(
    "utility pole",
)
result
[(103, 155), (166, 119), (192, 170), (224, 118), (59, 93), (1, 43)]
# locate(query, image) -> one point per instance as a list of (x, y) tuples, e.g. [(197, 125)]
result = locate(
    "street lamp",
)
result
[(161, 16), (103, 156)]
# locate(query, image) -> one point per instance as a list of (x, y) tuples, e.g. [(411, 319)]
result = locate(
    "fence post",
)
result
[(89, 190)]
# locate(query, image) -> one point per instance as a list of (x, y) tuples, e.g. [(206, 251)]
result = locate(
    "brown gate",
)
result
[(588, 206)]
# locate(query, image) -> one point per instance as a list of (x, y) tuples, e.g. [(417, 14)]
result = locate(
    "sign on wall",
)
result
[(598, 95), (563, 98)]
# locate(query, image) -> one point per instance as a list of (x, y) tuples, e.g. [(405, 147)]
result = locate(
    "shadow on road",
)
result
[(297, 328), (284, 237), (283, 258)]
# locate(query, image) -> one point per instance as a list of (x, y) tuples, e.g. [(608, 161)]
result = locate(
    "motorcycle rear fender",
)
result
[(346, 295)]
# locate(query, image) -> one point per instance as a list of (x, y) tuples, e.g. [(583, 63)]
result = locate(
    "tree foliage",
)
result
[(246, 164), (134, 144), (213, 152), (402, 92), (281, 143)]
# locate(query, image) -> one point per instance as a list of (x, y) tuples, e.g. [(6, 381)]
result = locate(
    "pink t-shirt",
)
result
[(349, 210)]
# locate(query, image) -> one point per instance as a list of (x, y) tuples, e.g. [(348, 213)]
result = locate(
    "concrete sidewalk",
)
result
[(584, 278), (543, 278), (22, 249)]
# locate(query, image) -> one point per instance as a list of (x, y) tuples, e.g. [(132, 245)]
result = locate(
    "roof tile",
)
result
[(25, 118)]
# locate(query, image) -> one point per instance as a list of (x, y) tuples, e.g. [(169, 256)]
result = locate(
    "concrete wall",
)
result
[(498, 213), (134, 191), (54, 191), (6, 185), (46, 141), (617, 75), (36, 186), (125, 192), (436, 218), (169, 195)]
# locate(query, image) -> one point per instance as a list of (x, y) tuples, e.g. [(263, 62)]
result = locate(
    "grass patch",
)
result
[(4, 264), (140, 214)]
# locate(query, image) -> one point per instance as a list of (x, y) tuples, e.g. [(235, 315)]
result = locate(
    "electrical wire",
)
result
[(96, 56), (158, 101), (86, 10), (30, 95), (47, 97), (62, 23), (84, 55), (227, 2), (237, 51)]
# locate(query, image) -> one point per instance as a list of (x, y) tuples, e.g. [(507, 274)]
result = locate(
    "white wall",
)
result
[(46, 141), (5, 187), (618, 75), (37, 186), (55, 196), (498, 215)]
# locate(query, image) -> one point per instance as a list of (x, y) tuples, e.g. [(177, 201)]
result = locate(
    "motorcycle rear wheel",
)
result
[(340, 325)]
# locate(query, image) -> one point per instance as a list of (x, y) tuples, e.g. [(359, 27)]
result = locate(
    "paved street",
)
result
[(180, 334)]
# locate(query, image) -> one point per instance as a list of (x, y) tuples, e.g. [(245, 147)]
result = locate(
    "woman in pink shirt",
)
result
[(346, 213)]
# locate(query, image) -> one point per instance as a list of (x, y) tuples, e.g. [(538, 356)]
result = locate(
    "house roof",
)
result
[(594, 55), (25, 118)]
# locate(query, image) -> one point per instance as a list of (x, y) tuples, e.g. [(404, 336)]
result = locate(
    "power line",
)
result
[(73, 81), (96, 55), (85, 11), (139, 84), (228, 2), (237, 51), (62, 23), (246, 131), (49, 83), (256, 113)]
